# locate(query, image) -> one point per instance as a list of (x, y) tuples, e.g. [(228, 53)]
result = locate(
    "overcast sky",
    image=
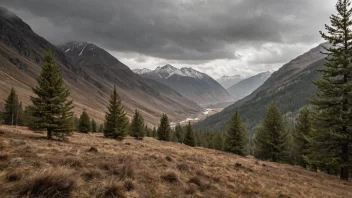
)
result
[(218, 37)]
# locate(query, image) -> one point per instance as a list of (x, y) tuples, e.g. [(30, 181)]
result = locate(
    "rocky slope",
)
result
[(290, 88), (247, 86), (90, 76), (191, 83)]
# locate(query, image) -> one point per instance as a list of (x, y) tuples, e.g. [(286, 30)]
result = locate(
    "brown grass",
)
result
[(48, 183), (32, 166)]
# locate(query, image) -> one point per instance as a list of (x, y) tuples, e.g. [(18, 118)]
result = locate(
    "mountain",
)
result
[(290, 88), (191, 83), (89, 71), (141, 71), (228, 81), (247, 86)]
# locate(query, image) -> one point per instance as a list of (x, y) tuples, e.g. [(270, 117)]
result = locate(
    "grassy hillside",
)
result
[(91, 166)]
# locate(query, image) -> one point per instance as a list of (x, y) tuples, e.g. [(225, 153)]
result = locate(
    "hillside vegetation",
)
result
[(88, 165)]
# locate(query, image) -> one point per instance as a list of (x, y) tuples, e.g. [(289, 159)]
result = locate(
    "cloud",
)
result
[(195, 32)]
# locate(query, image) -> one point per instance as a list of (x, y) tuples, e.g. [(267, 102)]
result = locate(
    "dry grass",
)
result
[(32, 166)]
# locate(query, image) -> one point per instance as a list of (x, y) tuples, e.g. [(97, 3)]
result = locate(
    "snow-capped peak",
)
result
[(231, 77), (141, 71), (168, 70), (192, 73)]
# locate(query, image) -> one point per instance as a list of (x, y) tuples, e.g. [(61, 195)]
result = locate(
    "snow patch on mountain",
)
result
[(141, 71)]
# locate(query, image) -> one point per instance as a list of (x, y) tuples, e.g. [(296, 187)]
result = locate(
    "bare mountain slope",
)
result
[(21, 52)]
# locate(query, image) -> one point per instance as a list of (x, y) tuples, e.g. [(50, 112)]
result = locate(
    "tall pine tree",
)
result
[(94, 125), (137, 126), (235, 139), (189, 136), (84, 125), (301, 134), (12, 109), (334, 103), (179, 133), (51, 110), (164, 130), (116, 122), (271, 138)]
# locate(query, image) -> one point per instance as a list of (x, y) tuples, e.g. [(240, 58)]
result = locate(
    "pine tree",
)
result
[(334, 104), (271, 138), (84, 125), (137, 126), (154, 132), (116, 122), (101, 128), (51, 110), (94, 126), (179, 133), (164, 129), (189, 137), (235, 139), (301, 133), (11, 113)]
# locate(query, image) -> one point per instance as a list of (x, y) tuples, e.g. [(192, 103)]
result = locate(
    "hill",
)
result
[(90, 74), (248, 85), (88, 165), (290, 88), (193, 84)]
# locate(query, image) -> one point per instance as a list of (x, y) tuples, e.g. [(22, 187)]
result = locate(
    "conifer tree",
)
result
[(12, 110), (154, 132), (84, 123), (116, 121), (164, 130), (189, 137), (334, 103), (179, 133), (51, 110), (301, 133), (137, 126), (271, 138), (94, 126), (101, 128), (235, 139)]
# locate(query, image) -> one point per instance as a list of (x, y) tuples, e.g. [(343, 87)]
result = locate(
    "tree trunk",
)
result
[(49, 134), (344, 173)]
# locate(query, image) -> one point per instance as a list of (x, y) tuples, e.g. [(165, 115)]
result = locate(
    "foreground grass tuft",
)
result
[(49, 183)]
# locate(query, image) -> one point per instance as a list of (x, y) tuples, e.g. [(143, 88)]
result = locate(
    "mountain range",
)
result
[(228, 81), (248, 85), (193, 84), (89, 71), (290, 87)]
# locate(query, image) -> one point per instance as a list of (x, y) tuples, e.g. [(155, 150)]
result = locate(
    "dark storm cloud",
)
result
[(185, 30)]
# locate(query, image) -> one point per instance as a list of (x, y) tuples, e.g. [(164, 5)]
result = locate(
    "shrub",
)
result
[(93, 149), (14, 175), (195, 180), (183, 166), (71, 162), (91, 174), (191, 189), (169, 158), (129, 185), (4, 156), (171, 177), (50, 183), (113, 190)]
